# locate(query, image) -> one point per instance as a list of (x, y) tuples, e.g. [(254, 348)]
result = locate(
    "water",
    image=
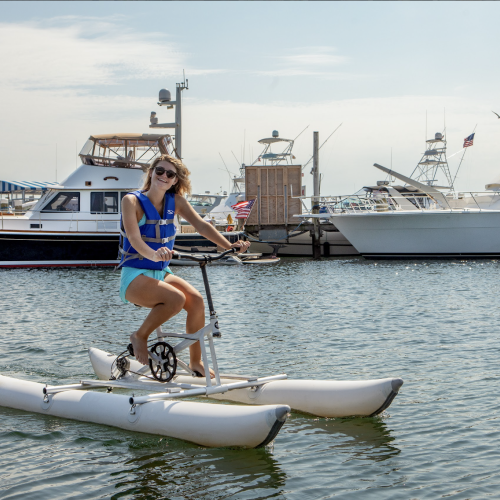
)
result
[(435, 324)]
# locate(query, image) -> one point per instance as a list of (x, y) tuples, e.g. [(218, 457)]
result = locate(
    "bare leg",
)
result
[(164, 300), (195, 308)]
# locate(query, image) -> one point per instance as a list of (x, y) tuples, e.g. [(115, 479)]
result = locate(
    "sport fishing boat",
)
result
[(420, 218), (165, 412), (423, 223), (77, 222)]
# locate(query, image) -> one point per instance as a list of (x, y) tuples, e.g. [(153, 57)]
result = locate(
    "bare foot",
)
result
[(140, 346), (198, 367)]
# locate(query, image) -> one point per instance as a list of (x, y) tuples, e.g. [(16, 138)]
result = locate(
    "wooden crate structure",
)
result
[(273, 186)]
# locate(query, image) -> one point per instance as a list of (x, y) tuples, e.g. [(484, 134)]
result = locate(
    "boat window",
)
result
[(64, 202), (104, 202)]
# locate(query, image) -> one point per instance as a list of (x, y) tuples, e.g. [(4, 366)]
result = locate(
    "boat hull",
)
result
[(421, 234), (201, 423), (325, 398), (76, 249)]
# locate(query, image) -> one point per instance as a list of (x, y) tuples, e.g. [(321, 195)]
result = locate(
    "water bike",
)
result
[(325, 398), (165, 412)]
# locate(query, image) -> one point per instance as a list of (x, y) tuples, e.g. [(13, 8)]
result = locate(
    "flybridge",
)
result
[(126, 150)]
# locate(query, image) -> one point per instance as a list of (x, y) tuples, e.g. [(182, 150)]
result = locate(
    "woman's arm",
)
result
[(131, 210), (186, 211)]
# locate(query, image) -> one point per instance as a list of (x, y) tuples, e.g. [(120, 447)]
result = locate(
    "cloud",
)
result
[(85, 53), (314, 57), (81, 53), (308, 61)]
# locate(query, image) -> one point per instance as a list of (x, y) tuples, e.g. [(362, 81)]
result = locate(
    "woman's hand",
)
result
[(242, 245), (162, 254)]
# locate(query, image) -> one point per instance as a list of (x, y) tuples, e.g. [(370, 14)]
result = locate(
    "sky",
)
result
[(390, 73)]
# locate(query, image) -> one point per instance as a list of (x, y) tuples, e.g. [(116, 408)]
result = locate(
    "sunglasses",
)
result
[(160, 171)]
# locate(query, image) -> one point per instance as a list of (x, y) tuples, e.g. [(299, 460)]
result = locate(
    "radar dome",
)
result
[(438, 136), (276, 133), (164, 95)]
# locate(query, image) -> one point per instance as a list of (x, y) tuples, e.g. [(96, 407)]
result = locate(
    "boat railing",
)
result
[(362, 203), (76, 221)]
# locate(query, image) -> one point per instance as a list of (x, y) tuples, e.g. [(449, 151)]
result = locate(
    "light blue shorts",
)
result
[(130, 273)]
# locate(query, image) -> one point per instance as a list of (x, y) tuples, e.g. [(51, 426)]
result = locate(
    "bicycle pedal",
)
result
[(130, 349)]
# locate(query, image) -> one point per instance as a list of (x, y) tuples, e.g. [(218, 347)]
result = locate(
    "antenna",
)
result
[(425, 125)]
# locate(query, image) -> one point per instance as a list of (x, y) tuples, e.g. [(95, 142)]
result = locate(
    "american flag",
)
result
[(469, 141), (243, 209)]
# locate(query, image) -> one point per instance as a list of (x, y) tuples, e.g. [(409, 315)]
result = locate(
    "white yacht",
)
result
[(420, 220), (77, 222)]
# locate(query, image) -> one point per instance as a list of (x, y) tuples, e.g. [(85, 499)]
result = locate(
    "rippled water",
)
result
[(435, 324)]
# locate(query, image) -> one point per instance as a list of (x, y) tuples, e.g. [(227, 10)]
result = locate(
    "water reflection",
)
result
[(368, 438), (191, 473)]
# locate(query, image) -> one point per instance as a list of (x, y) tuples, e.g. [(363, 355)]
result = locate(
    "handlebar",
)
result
[(204, 257)]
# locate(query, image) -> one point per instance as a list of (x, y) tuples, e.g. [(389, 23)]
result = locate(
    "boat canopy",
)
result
[(126, 150), (11, 186), (271, 140)]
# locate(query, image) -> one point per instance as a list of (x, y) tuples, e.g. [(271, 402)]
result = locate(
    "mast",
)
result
[(164, 99)]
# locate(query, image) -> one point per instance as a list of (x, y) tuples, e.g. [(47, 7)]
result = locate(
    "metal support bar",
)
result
[(214, 360), (204, 357), (70, 387), (205, 391)]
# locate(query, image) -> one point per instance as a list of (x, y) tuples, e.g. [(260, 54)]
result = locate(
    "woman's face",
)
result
[(161, 175)]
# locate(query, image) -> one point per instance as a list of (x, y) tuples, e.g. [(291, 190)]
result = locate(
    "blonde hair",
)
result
[(183, 185)]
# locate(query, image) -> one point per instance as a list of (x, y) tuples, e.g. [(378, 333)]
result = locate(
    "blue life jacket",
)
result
[(156, 233)]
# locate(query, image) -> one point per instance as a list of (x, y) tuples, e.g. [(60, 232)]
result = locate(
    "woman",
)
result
[(146, 249)]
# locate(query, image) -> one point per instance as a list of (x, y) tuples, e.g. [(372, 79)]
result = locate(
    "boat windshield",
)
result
[(66, 201)]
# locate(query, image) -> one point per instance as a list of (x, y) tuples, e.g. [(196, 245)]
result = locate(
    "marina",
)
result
[(191, 309), (77, 224)]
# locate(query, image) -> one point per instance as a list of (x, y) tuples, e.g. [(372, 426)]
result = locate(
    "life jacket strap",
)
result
[(158, 240), (161, 222), (128, 256)]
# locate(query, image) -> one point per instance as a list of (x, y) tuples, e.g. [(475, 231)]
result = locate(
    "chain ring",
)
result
[(165, 370), (122, 365)]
